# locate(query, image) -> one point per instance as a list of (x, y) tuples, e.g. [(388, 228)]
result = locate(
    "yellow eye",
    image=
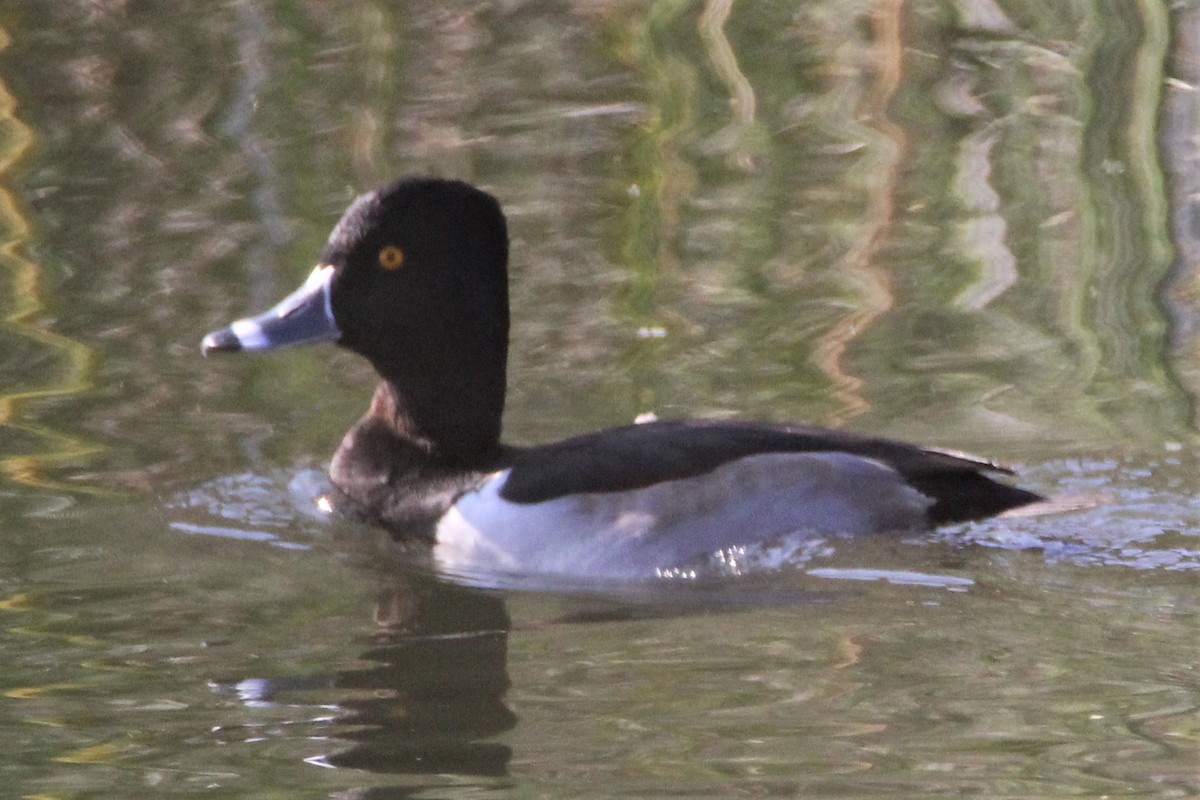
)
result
[(391, 257)]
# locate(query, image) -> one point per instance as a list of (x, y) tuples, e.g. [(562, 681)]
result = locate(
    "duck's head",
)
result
[(415, 278)]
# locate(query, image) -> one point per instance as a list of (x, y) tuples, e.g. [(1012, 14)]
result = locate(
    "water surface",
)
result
[(969, 224)]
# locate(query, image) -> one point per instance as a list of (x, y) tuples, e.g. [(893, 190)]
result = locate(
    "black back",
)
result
[(635, 456)]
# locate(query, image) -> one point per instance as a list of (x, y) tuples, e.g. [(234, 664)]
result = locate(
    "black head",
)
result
[(415, 278), (421, 268)]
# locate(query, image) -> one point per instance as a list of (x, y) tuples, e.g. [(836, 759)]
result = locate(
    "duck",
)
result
[(414, 278)]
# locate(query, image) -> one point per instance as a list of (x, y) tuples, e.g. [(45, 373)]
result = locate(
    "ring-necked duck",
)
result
[(414, 277)]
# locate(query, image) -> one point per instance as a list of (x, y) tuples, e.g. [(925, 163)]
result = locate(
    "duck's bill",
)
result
[(305, 315)]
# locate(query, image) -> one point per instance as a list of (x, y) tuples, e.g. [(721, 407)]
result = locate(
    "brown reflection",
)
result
[(65, 364), (872, 282)]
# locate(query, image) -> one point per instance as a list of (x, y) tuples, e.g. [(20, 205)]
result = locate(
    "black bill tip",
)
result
[(222, 341)]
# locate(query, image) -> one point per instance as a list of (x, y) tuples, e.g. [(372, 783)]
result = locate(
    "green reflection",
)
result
[(1033, 236), (757, 193), (30, 447), (939, 222)]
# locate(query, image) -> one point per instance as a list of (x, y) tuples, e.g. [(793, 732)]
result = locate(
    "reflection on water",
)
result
[(35, 357), (876, 665), (968, 223), (875, 214), (432, 697)]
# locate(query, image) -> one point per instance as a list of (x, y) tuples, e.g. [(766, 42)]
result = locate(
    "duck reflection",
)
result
[(433, 693), (438, 686)]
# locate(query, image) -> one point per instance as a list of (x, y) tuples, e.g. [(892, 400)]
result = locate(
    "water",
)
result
[(968, 224)]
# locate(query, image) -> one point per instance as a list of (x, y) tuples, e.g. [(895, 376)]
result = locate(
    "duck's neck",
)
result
[(403, 464), (457, 424)]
